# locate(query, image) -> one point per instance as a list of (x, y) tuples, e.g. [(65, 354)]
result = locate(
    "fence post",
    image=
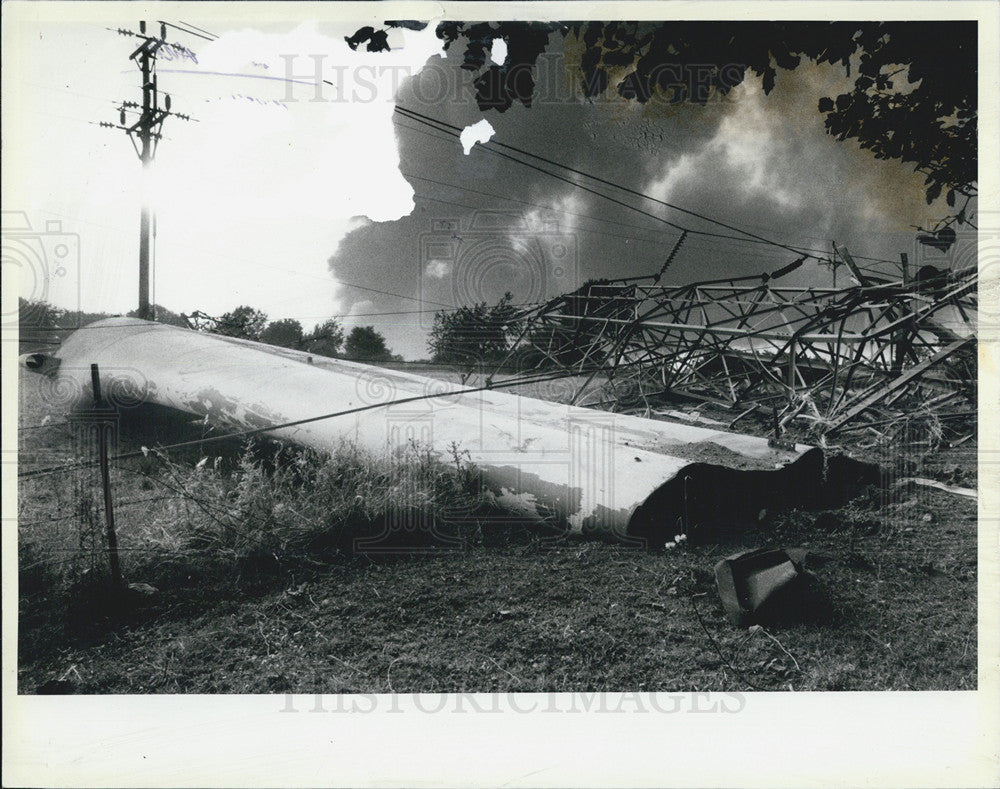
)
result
[(102, 449)]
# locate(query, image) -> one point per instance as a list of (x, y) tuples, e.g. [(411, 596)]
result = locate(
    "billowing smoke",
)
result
[(485, 225)]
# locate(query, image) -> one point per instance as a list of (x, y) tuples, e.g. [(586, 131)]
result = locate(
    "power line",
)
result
[(455, 129), (580, 229), (681, 228), (528, 203), (417, 299), (747, 237), (700, 237), (45, 424), (147, 130), (189, 32), (581, 186), (249, 433), (195, 27)]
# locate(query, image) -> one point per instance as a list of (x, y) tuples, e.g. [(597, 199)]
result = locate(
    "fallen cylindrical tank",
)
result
[(572, 468)]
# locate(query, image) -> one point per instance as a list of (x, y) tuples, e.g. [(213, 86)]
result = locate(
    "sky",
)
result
[(314, 201)]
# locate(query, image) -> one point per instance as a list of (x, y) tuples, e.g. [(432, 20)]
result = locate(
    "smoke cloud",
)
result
[(484, 225)]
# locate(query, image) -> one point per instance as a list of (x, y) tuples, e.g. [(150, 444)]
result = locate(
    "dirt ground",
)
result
[(897, 610)]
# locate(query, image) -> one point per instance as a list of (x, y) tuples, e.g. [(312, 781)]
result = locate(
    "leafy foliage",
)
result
[(915, 100), (38, 313), (37, 322), (299, 503), (325, 339), (244, 321), (238, 522), (163, 315), (365, 344), (43, 325), (377, 40), (499, 86), (472, 334), (286, 333)]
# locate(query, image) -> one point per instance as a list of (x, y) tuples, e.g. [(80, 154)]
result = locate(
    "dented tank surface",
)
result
[(653, 434), (574, 468)]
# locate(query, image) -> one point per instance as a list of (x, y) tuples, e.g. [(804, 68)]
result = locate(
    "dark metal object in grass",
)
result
[(756, 584)]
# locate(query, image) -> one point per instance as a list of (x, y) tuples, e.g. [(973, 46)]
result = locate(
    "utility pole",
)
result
[(846, 256), (145, 134), (834, 262)]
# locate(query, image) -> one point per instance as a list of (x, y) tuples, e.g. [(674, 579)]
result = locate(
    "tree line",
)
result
[(42, 324), (493, 334), (465, 337), (362, 343)]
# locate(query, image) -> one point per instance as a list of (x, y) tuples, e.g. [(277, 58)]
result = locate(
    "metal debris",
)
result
[(863, 357)]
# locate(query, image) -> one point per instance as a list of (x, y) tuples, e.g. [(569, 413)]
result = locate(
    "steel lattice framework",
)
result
[(859, 354)]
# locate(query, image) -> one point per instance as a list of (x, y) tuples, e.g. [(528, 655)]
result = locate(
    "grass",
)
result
[(234, 522), (259, 591)]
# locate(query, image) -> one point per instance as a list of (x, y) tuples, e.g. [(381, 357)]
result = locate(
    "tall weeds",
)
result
[(231, 524)]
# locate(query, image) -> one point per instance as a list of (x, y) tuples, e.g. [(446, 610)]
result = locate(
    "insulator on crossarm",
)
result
[(670, 258)]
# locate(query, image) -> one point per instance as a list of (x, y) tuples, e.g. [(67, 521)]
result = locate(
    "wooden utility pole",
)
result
[(145, 134)]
